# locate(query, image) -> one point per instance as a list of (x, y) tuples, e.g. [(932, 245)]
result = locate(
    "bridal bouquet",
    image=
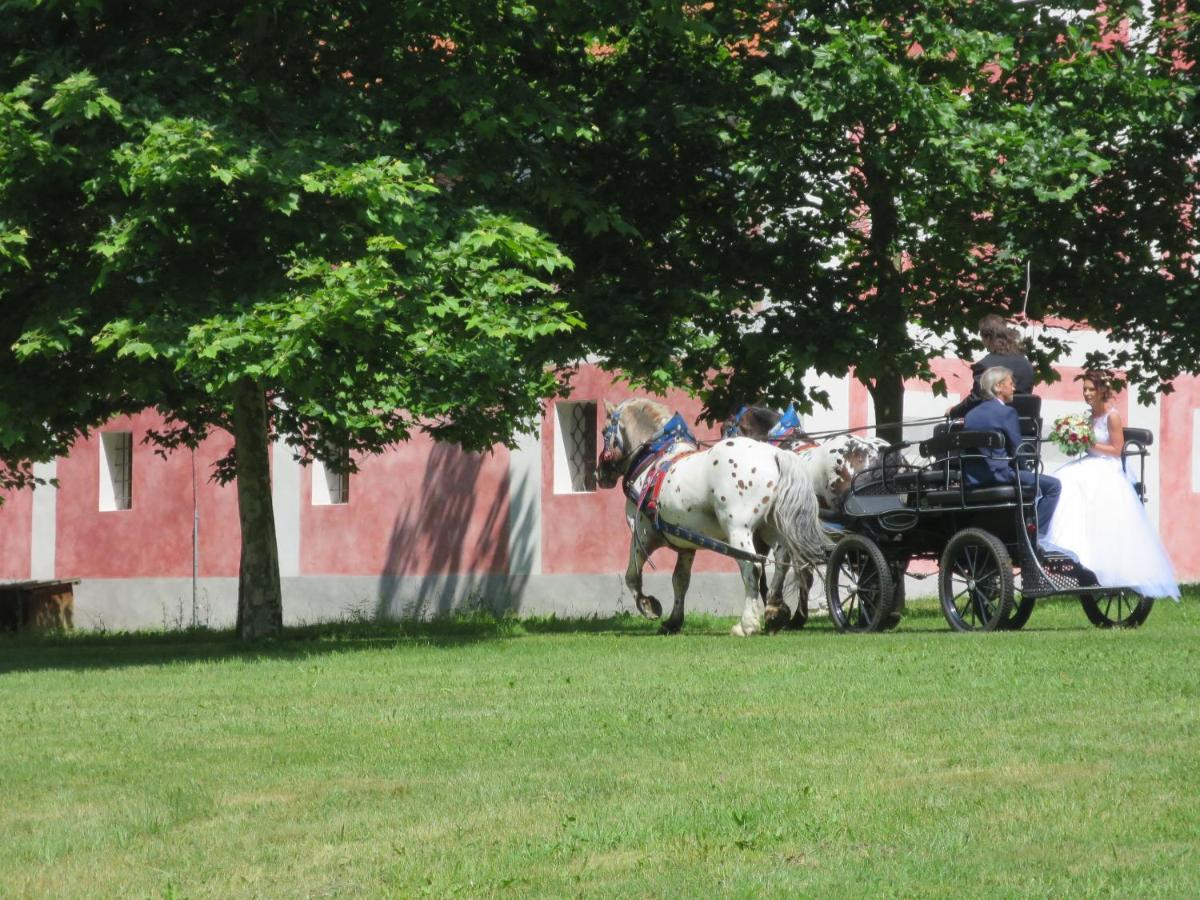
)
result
[(1072, 434)]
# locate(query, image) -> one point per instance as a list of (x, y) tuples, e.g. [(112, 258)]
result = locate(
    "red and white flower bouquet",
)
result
[(1072, 434)]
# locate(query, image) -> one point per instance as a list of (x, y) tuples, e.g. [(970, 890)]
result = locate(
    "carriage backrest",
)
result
[(1029, 413), (1136, 442), (953, 442)]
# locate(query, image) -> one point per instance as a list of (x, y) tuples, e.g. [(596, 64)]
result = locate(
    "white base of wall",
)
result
[(126, 604)]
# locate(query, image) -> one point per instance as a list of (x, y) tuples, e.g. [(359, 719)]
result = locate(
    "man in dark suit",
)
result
[(997, 466)]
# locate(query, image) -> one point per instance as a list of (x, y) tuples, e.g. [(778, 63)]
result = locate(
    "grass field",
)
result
[(481, 757)]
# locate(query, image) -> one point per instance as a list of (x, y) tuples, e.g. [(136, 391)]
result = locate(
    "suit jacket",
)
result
[(1016, 363), (993, 415)]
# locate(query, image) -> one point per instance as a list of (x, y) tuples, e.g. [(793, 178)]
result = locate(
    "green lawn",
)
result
[(596, 758)]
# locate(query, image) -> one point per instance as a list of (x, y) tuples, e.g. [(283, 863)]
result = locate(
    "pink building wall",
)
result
[(421, 509), (1178, 499), (431, 510), (153, 539), (16, 534)]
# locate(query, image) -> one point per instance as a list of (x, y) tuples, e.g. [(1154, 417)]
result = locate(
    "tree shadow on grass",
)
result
[(89, 651)]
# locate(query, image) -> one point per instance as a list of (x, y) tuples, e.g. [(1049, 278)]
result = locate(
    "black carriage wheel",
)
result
[(1021, 611), (858, 585), (975, 583), (1116, 609)]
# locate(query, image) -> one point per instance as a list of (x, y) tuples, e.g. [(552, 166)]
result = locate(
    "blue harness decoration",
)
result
[(674, 432), (732, 429), (786, 427)]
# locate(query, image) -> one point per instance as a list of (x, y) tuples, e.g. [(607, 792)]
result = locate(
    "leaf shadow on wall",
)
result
[(450, 550)]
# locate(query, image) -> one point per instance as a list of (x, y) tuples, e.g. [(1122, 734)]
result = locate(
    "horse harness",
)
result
[(652, 456)]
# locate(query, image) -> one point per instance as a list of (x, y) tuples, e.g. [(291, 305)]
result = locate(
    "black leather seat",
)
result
[(992, 493)]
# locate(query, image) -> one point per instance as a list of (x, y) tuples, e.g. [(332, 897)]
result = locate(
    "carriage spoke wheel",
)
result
[(1022, 609), (858, 585), (1116, 609), (975, 583)]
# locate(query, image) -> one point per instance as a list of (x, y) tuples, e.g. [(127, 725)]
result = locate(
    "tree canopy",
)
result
[(341, 222), (207, 210), (784, 186)]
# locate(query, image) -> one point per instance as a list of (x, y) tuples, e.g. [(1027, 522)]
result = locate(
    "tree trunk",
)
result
[(887, 383), (887, 393), (260, 597)]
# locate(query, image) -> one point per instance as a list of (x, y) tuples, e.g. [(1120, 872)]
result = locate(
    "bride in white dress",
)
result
[(1099, 517)]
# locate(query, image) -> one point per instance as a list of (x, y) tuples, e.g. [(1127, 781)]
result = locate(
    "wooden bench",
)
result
[(37, 605)]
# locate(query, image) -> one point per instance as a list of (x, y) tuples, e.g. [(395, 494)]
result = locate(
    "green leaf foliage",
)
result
[(193, 197)]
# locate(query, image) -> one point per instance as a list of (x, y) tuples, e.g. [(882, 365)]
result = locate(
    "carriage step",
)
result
[(1062, 575)]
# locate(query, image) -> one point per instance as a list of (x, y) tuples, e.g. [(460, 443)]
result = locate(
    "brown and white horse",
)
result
[(831, 464), (734, 492)]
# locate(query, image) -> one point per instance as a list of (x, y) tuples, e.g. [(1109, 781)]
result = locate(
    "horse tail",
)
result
[(793, 515)]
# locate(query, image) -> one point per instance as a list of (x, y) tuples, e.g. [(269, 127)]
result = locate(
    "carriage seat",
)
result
[(983, 496), (931, 478), (952, 445), (872, 504)]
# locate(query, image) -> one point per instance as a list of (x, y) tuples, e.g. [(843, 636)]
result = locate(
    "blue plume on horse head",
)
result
[(786, 425)]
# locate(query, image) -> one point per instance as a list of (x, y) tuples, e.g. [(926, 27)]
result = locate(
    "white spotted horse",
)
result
[(831, 463), (722, 498)]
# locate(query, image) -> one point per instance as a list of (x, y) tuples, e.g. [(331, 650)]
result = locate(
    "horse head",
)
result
[(843, 458), (752, 422), (629, 425)]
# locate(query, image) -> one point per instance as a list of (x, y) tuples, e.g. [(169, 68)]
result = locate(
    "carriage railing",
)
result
[(946, 450), (1136, 442)]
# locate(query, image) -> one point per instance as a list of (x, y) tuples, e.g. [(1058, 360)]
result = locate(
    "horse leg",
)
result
[(804, 583), (639, 550), (750, 622), (777, 614), (680, 579)]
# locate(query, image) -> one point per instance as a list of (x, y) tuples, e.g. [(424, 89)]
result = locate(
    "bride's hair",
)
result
[(1101, 380)]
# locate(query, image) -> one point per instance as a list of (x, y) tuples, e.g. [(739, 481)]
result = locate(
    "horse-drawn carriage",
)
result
[(750, 491), (901, 512)]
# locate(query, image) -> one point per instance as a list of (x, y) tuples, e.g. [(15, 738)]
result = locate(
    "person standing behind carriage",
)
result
[(999, 466), (1003, 350)]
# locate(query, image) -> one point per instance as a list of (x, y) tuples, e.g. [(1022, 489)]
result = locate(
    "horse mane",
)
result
[(643, 418)]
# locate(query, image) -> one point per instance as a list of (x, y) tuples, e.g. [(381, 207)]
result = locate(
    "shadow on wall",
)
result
[(448, 551)]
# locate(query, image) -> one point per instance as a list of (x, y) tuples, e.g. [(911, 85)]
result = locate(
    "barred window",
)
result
[(330, 488), (574, 447), (116, 470)]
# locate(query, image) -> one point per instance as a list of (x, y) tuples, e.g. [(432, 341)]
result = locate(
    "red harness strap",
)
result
[(648, 500)]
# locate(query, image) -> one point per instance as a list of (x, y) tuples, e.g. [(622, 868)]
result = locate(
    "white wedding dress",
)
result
[(1100, 519)]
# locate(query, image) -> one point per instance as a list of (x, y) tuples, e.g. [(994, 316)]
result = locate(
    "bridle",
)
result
[(613, 441)]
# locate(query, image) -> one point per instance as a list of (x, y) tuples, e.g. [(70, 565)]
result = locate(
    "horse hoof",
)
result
[(738, 631), (670, 627), (649, 607), (798, 621), (777, 617)]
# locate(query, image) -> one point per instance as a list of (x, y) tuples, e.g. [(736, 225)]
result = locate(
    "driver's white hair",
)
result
[(992, 377)]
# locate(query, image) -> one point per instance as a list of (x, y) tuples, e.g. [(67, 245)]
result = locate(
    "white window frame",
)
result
[(330, 488), (116, 471), (575, 447)]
